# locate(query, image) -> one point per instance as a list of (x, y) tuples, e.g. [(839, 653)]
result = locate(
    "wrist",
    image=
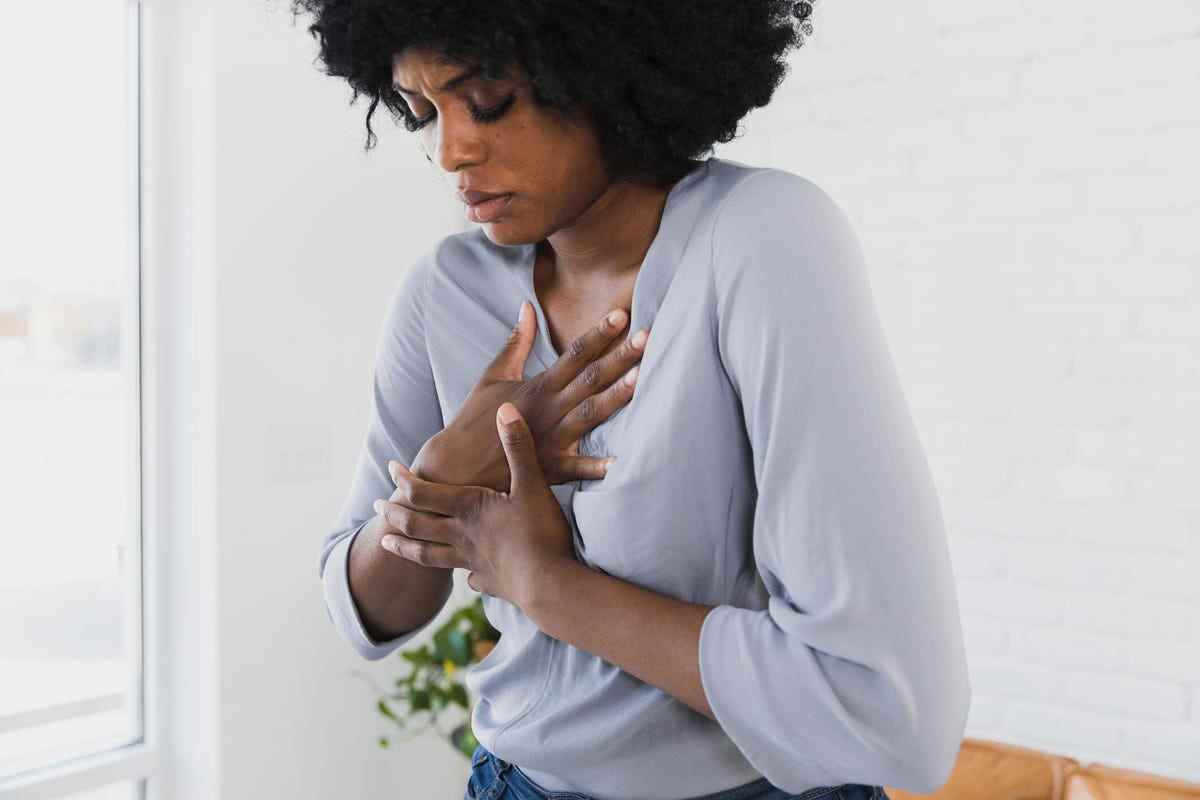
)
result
[(447, 457), (543, 590), (427, 465)]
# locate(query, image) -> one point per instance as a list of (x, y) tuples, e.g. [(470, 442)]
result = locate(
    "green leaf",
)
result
[(382, 707), (458, 694), (455, 645), (419, 656), (420, 699)]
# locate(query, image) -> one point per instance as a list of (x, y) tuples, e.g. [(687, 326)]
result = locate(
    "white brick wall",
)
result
[(1025, 177)]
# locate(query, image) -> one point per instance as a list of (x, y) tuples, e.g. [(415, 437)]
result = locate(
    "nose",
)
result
[(456, 142)]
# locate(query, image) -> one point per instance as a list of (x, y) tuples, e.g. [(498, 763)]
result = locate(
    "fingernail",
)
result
[(639, 338), (376, 505), (508, 413), (521, 314), (631, 376), (614, 317)]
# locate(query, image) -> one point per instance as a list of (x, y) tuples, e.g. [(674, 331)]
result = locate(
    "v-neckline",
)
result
[(649, 285)]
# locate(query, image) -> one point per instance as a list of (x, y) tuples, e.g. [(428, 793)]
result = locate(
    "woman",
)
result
[(715, 554)]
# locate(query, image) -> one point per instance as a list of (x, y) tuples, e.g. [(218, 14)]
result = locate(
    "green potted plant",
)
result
[(433, 686)]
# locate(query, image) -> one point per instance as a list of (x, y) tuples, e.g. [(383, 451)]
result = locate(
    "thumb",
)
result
[(509, 363), (519, 448), (397, 471)]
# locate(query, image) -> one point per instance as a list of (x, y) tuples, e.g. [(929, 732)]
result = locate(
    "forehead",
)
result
[(443, 72), (424, 61)]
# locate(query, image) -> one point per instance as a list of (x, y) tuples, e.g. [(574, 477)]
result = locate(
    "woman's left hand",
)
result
[(506, 540)]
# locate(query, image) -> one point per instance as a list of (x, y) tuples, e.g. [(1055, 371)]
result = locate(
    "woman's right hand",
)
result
[(578, 392)]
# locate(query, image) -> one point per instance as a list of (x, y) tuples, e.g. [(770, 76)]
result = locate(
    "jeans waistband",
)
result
[(492, 768)]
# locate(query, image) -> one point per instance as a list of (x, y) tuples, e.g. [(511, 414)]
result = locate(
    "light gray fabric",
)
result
[(767, 465)]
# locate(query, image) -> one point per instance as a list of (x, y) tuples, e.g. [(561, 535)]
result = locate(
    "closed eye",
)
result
[(484, 115)]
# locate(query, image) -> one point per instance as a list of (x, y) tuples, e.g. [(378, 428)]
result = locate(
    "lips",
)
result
[(473, 197), (488, 210)]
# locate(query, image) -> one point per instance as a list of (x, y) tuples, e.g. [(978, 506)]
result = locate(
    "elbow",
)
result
[(343, 614), (936, 741), (933, 769), (369, 652), (348, 627)]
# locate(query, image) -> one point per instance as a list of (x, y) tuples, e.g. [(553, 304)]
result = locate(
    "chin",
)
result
[(504, 232)]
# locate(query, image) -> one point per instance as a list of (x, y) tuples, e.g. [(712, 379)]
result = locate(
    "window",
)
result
[(113, 791), (72, 719)]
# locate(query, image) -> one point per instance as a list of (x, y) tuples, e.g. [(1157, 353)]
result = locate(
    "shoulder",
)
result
[(469, 266), (465, 263), (783, 227), (772, 207)]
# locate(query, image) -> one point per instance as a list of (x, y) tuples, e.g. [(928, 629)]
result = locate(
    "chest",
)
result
[(661, 516), (572, 312)]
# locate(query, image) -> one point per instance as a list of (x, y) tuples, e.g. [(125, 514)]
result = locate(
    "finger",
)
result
[(598, 407), (427, 554), (509, 363), (422, 495), (414, 524), (519, 448), (471, 582), (585, 349), (586, 468), (601, 374)]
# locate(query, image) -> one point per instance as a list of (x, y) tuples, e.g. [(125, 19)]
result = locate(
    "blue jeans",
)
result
[(493, 778)]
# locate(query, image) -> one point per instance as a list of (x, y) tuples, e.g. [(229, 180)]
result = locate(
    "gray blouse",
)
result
[(767, 464)]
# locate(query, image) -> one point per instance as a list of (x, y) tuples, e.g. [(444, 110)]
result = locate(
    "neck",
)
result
[(610, 238)]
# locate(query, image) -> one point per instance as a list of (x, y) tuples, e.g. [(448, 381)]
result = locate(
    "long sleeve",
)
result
[(404, 414), (856, 670)]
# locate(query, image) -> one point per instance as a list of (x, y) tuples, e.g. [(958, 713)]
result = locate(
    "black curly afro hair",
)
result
[(661, 80)]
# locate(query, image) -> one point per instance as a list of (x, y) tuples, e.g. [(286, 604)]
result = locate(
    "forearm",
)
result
[(649, 635), (395, 595)]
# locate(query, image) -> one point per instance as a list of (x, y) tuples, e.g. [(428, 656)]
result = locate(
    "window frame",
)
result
[(139, 762)]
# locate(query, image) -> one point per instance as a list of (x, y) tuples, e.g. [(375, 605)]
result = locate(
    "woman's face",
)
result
[(490, 136)]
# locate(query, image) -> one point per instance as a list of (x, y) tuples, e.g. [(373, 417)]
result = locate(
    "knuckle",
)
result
[(587, 409), (472, 508), (401, 520), (577, 347), (534, 389), (591, 374), (469, 508)]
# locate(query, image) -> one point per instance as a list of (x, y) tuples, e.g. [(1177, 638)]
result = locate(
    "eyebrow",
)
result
[(450, 84)]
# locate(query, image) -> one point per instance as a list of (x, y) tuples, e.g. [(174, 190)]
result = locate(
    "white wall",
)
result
[(1024, 183), (277, 244), (1024, 177)]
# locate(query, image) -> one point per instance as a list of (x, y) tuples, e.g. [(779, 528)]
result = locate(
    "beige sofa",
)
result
[(987, 770)]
